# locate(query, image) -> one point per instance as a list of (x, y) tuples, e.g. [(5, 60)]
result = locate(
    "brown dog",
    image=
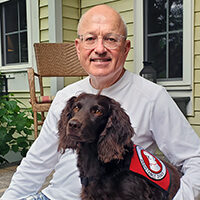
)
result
[(111, 166)]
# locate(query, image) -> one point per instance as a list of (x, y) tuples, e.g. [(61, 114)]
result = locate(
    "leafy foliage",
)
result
[(15, 128)]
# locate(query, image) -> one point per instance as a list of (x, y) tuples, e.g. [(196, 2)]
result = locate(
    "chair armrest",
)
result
[(31, 81), (36, 74)]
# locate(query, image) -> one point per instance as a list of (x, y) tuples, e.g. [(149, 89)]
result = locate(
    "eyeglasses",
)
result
[(110, 41)]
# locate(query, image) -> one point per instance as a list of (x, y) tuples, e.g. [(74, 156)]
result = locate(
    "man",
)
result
[(102, 49)]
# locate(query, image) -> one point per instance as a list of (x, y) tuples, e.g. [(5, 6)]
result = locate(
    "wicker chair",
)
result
[(53, 60)]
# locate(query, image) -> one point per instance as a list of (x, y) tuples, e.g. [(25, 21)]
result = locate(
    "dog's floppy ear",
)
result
[(66, 115), (116, 135)]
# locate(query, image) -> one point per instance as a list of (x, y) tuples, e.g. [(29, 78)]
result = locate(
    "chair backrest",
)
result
[(57, 60)]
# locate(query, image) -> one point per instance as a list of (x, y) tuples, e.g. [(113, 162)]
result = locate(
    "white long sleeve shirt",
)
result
[(155, 118)]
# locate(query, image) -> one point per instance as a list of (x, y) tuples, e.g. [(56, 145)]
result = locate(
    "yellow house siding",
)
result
[(70, 24), (196, 129), (70, 12), (197, 5), (43, 19), (197, 18), (197, 47), (44, 24), (90, 3), (43, 3), (197, 32), (69, 35), (197, 75), (197, 89), (197, 104), (71, 3), (44, 37), (71, 15), (197, 61), (44, 12), (195, 120)]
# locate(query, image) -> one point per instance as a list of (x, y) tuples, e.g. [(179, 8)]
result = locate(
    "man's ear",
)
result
[(127, 47), (77, 45)]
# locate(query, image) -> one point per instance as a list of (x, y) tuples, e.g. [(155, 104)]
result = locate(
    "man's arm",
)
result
[(179, 143), (190, 184)]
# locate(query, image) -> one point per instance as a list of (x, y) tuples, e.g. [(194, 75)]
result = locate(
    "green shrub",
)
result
[(15, 128)]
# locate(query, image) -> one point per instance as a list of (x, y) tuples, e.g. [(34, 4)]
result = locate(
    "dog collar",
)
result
[(150, 168)]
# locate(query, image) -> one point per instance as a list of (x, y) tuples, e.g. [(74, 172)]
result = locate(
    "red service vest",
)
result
[(150, 167)]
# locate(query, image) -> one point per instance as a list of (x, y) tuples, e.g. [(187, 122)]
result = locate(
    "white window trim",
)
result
[(186, 83), (33, 36), (175, 88), (3, 1)]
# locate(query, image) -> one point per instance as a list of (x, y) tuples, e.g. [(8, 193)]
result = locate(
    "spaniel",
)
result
[(111, 166)]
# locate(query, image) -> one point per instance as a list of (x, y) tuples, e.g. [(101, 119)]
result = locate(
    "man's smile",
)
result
[(100, 59)]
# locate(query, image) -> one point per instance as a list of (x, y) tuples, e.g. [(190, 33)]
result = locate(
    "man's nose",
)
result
[(100, 48)]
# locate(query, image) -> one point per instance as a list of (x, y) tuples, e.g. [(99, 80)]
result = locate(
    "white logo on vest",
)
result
[(152, 165)]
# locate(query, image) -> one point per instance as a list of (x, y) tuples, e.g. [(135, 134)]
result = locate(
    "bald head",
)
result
[(105, 15)]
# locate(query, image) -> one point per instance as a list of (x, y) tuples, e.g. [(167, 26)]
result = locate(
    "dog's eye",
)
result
[(97, 112), (76, 109)]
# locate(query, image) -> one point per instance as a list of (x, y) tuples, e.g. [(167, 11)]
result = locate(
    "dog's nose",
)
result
[(74, 124)]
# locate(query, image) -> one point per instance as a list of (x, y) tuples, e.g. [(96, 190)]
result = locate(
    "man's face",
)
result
[(101, 61)]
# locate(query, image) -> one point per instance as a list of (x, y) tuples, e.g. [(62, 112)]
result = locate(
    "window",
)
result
[(173, 35), (163, 37), (19, 30), (14, 42)]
